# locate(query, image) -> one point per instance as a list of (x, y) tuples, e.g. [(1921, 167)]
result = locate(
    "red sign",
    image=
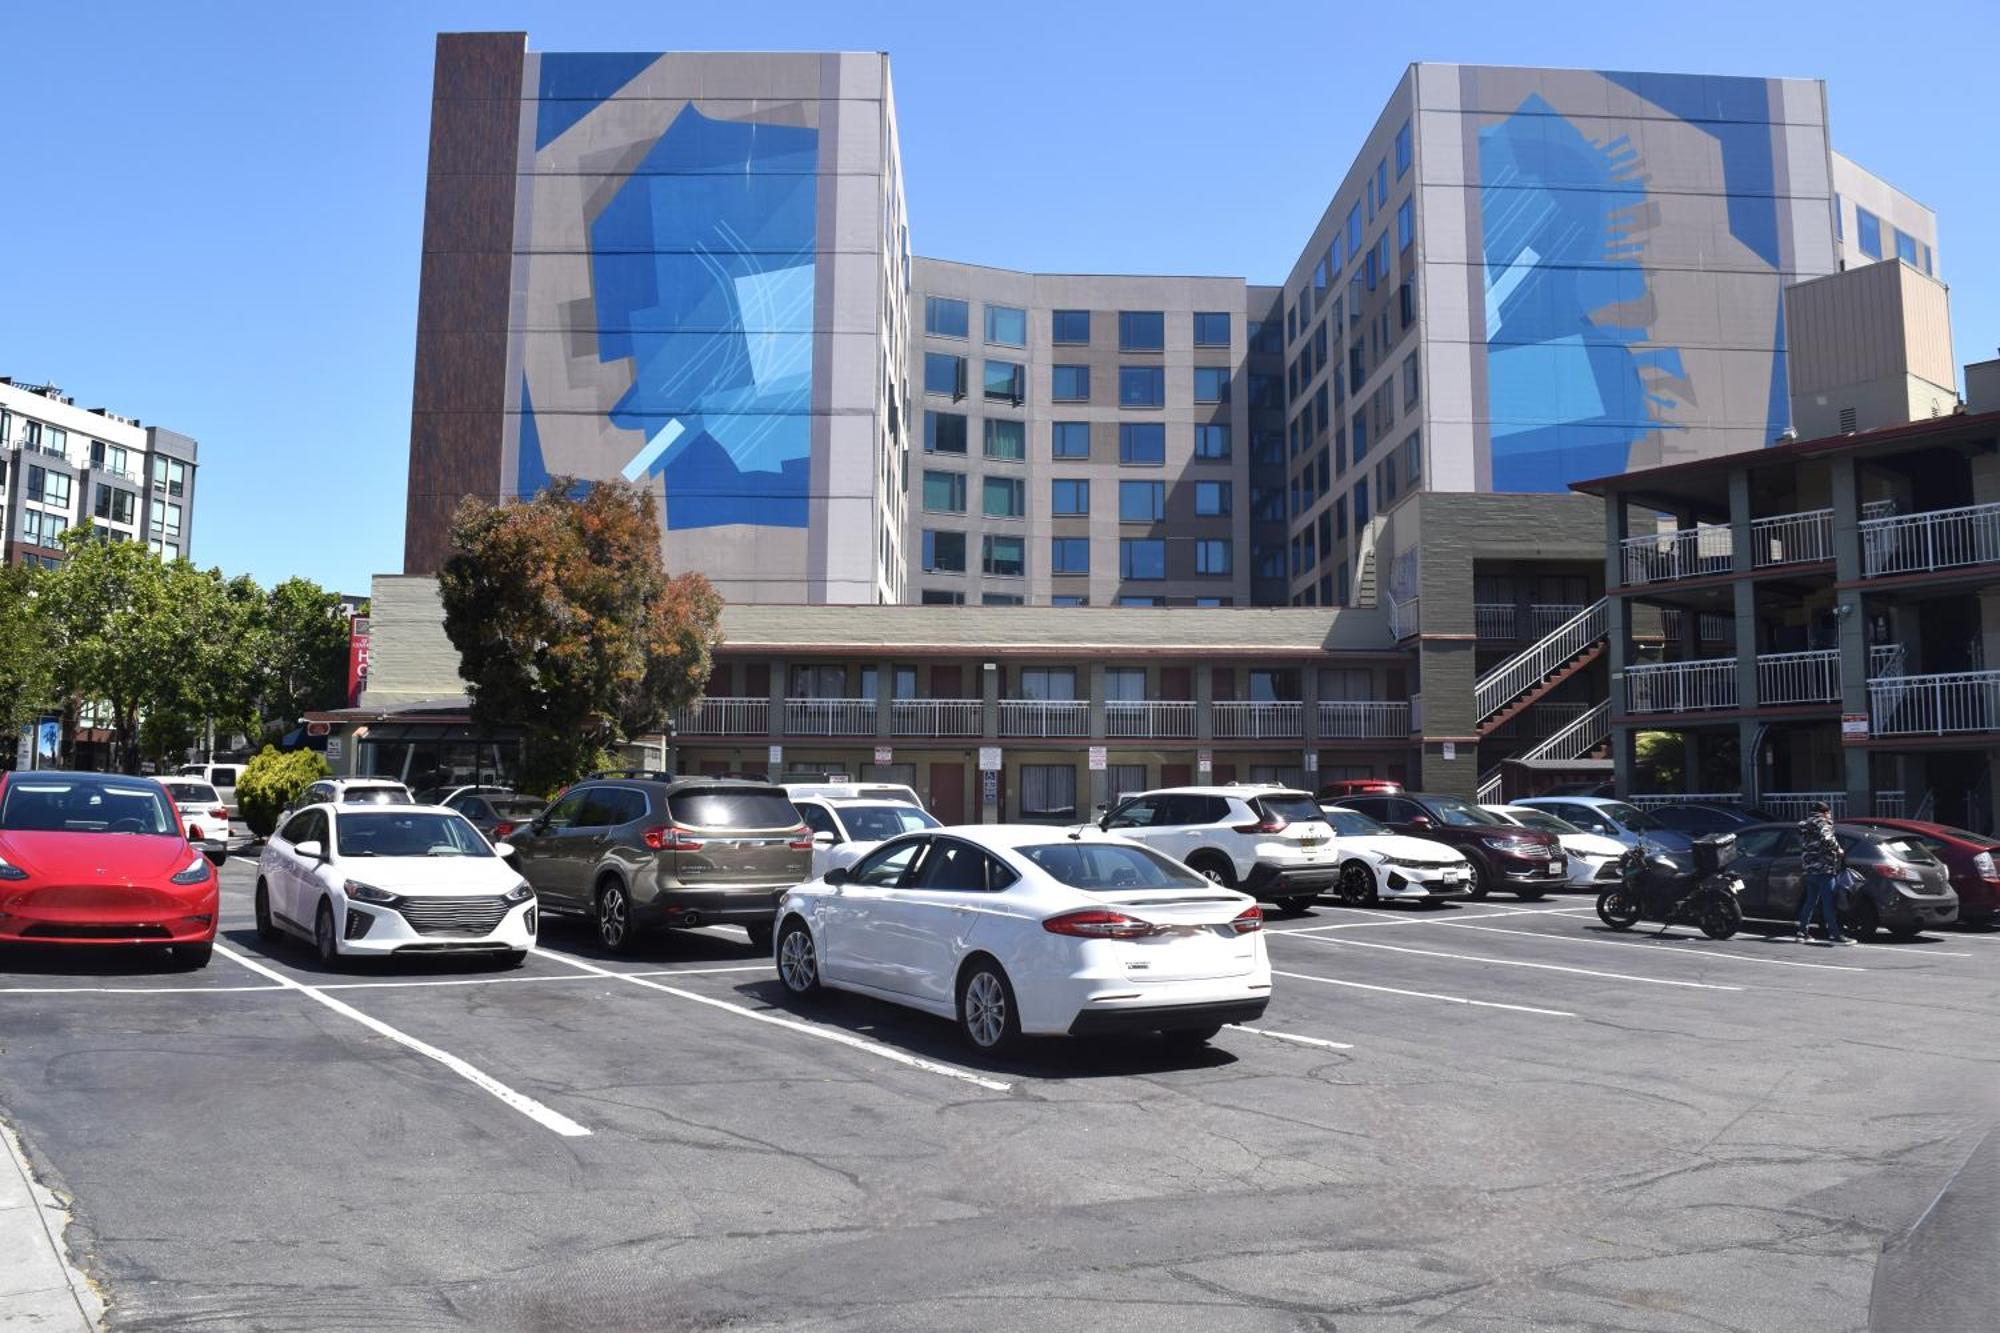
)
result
[(357, 660)]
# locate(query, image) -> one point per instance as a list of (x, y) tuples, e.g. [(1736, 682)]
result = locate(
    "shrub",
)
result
[(273, 780)]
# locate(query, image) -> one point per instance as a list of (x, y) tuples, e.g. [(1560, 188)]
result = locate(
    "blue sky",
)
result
[(213, 211)]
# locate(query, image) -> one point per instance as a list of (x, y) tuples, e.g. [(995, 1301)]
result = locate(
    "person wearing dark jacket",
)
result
[(1822, 861)]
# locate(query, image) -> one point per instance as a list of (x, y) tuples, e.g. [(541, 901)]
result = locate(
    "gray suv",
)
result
[(643, 852)]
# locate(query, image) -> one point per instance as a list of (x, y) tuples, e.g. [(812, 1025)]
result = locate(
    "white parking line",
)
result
[(1293, 1037), (130, 990), (527, 1106), (1426, 995), (1387, 919), (698, 971), (810, 1029), (1516, 962)]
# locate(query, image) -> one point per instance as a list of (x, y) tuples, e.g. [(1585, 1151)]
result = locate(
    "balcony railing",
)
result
[(1493, 620), (1779, 804), (1548, 617), (934, 717), (1646, 800), (1364, 719), (1685, 553), (1535, 663), (1799, 804), (1941, 705), (1937, 539), (1711, 627), (1804, 538), (1799, 678), (1546, 719), (1405, 616), (1237, 720), (1167, 719), (1044, 717), (830, 717), (718, 716), (1681, 687), (1584, 733)]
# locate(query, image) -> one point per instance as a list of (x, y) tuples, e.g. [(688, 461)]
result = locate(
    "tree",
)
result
[(567, 624), (27, 658), (305, 652), (271, 781)]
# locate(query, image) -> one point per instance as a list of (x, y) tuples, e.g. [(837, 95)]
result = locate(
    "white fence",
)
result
[(1493, 620), (934, 717), (1685, 553), (1937, 539), (1799, 678), (1167, 719), (830, 717), (1236, 720), (1044, 717), (1363, 719), (1548, 617), (1405, 617), (1579, 738), (718, 716), (1791, 539), (1681, 687), (1963, 701), (1527, 668)]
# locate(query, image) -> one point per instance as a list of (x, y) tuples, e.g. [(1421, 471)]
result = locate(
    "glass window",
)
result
[(1006, 440), (1005, 382), (411, 833), (1410, 389), (1069, 327), (1868, 232), (1069, 439), (1049, 791), (1212, 498), (944, 433), (1213, 556), (1069, 555), (944, 552), (1003, 556), (1211, 384), (1354, 230), (1004, 497), (1405, 230), (1142, 442), (1142, 558), (1403, 150), (1069, 384), (1839, 229), (1142, 501), (1006, 326), (944, 492), (1048, 683), (1133, 599), (1069, 496), (1212, 441), (942, 597), (945, 317), (1001, 599), (1069, 599), (1211, 328), (1927, 259), (1361, 503), (944, 373), (1142, 386), (885, 868), (1382, 182), (1141, 330), (1906, 247)]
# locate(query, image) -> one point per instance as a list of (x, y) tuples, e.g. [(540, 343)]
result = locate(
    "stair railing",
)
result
[(1529, 667)]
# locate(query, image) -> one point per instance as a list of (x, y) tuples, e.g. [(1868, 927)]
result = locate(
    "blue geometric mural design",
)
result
[(573, 84)]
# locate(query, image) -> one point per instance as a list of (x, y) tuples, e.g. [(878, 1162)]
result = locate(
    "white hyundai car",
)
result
[(1013, 929), (1377, 865), (392, 879), (1593, 858), (845, 830)]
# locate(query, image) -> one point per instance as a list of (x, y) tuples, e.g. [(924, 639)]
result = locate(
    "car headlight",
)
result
[(10, 871), (520, 893), (1513, 844), (368, 893), (194, 872)]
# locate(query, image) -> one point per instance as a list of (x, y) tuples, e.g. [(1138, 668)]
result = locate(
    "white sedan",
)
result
[(1593, 858), (203, 814), (1013, 929), (845, 830), (392, 879), (1377, 865)]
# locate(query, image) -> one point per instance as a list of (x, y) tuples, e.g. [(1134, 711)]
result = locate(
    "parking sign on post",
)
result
[(1099, 761)]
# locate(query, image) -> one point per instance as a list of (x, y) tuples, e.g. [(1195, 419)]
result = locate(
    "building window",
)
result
[(1050, 683), (111, 458), (944, 374), (1006, 440), (1211, 328), (49, 487), (1406, 301), (944, 433), (1927, 259), (945, 317), (1069, 496), (1410, 387), (1003, 556), (1868, 231), (1069, 328), (1211, 384), (1069, 439), (1004, 497), (1354, 230), (1142, 386), (1213, 556), (42, 529), (1142, 558), (1005, 382), (1360, 435), (944, 552), (1212, 441), (1405, 229), (1413, 458), (943, 597), (1839, 228), (1123, 780), (1069, 599), (1138, 599), (1141, 330), (1142, 442), (1048, 791), (1142, 501), (1006, 326), (1069, 555), (1213, 499), (1403, 150), (1069, 384), (116, 505), (1001, 599), (1906, 247), (944, 492), (1360, 503)]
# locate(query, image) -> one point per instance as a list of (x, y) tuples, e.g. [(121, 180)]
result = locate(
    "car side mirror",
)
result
[(1421, 821), (835, 877), (312, 849), (1100, 809), (503, 850), (217, 852), (824, 838)]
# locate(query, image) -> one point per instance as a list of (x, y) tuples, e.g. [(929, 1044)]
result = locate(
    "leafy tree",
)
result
[(27, 659), (305, 652), (567, 624), (271, 781)]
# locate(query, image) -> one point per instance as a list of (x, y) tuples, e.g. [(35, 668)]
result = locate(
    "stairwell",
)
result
[(1519, 682)]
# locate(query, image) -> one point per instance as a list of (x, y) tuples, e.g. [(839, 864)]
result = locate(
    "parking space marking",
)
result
[(1516, 962), (527, 1106), (847, 1039), (1703, 956), (1388, 919), (1425, 995), (447, 981), (699, 971), (1292, 1037), (131, 990)]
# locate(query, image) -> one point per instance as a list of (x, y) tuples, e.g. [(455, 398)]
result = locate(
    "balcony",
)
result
[(934, 717), (1237, 720), (1545, 618), (1045, 717), (1685, 553), (1493, 620), (1165, 719), (1710, 626), (830, 717), (1804, 538), (1681, 687), (1924, 543), (725, 717), (1799, 678), (1363, 719), (1957, 703), (1501, 620)]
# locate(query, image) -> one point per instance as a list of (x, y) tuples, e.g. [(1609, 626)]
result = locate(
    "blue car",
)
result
[(1613, 819)]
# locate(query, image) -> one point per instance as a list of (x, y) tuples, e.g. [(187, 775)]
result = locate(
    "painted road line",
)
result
[(1292, 1037), (1517, 962), (447, 981), (810, 1029), (1426, 995), (131, 990), (1704, 954), (699, 971), (1387, 919), (527, 1106)]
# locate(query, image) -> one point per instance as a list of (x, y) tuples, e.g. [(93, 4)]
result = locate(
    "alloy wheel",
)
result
[(613, 919), (323, 940), (1357, 884), (985, 1010), (798, 963)]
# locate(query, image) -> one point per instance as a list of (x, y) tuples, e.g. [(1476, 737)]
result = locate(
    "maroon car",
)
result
[(1504, 855), (1973, 859)]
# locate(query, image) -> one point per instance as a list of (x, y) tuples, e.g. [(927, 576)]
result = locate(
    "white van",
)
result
[(222, 777), (856, 791)]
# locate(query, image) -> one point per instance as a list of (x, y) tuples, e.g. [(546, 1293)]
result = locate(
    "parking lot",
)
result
[(1493, 1116)]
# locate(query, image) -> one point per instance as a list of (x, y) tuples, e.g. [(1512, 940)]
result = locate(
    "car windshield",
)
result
[(1294, 807), (375, 796), (873, 823), (1631, 816), (729, 808), (1097, 867), (1451, 810), (1352, 823), (406, 833), (57, 805), (1544, 821), (191, 793)]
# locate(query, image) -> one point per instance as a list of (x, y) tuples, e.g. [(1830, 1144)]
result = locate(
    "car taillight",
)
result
[(1268, 824), (1983, 863), (502, 829), (1895, 870), (802, 839), (667, 838), (1097, 924), (1252, 919), (218, 813)]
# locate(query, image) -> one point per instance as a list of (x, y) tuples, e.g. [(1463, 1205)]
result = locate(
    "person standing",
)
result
[(1822, 861)]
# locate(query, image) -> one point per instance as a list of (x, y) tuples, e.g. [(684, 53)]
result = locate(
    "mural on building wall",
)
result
[(665, 271)]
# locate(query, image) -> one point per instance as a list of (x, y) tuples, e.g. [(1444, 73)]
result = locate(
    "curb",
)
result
[(39, 1287)]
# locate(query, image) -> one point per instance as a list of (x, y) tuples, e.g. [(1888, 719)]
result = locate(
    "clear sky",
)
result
[(212, 211)]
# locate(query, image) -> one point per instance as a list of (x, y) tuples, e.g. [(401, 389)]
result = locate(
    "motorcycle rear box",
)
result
[(1713, 851)]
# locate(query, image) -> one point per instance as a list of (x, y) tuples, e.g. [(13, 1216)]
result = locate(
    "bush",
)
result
[(273, 780)]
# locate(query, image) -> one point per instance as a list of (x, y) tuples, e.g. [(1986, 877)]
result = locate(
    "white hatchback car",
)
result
[(1271, 842), (202, 808), (1593, 858), (1013, 929), (392, 879), (1377, 865), (845, 830)]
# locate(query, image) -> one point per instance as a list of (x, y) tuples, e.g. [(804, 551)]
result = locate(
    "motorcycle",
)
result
[(1654, 887)]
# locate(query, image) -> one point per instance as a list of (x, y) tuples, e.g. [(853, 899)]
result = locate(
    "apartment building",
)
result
[(61, 464)]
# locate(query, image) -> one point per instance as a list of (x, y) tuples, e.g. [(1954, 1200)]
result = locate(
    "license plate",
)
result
[(1453, 876)]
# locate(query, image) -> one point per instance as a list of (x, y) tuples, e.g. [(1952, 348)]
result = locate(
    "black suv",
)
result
[(1503, 855), (648, 851)]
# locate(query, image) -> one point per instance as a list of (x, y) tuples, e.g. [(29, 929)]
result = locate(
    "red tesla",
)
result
[(97, 858)]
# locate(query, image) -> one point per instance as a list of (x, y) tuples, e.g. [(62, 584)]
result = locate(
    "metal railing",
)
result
[(1803, 538), (830, 717), (1405, 617), (1890, 804), (1685, 553), (1239, 720), (1799, 804), (1547, 617), (1044, 717), (1936, 539), (1529, 667), (1590, 730), (1681, 687), (1168, 719), (1940, 705), (934, 717), (1646, 800), (1490, 787), (1799, 678), (1711, 627), (1493, 620), (721, 716), (1544, 720), (1364, 719)]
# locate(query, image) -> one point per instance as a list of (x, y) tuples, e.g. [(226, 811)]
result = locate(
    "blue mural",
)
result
[(572, 86)]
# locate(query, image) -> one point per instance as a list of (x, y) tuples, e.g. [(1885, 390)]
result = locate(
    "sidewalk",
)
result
[(38, 1288)]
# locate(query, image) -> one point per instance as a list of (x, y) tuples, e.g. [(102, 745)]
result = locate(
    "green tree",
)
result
[(27, 657), (271, 781), (567, 624), (304, 652)]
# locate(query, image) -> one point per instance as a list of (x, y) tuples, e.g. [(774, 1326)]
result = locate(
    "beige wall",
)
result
[(1874, 341)]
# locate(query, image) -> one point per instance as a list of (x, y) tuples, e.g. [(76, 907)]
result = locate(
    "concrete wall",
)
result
[(1873, 341), (1856, 187)]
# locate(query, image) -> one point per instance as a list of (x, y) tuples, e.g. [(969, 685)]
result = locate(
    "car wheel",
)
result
[(324, 939), (192, 956), (614, 918), (1480, 885), (1905, 932), (1189, 1039), (1357, 885), (1528, 893), (1215, 870), (986, 1013), (513, 958), (1298, 904), (267, 929), (798, 960), (761, 933), (1861, 920)]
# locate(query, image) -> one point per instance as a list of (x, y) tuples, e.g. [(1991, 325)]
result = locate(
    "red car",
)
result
[(1341, 788), (1969, 857), (97, 858)]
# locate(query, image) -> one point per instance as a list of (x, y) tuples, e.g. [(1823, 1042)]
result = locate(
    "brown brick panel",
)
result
[(468, 213)]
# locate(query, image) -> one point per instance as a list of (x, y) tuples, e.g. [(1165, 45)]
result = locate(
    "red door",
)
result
[(1176, 775), (757, 680), (948, 791), (944, 683), (1176, 683), (1223, 683), (1225, 774)]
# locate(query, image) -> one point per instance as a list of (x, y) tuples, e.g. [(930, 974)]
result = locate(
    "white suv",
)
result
[(1273, 842)]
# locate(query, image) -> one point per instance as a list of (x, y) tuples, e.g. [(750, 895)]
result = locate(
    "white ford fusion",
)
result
[(1379, 866), (1013, 929), (392, 879)]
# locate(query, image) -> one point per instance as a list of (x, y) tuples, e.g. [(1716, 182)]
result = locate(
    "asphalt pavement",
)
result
[(1496, 1116)]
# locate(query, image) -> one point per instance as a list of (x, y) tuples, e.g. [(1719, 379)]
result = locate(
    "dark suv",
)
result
[(1503, 855), (640, 853)]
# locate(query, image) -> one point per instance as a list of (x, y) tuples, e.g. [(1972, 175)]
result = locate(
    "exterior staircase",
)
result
[(1587, 737), (1519, 682)]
